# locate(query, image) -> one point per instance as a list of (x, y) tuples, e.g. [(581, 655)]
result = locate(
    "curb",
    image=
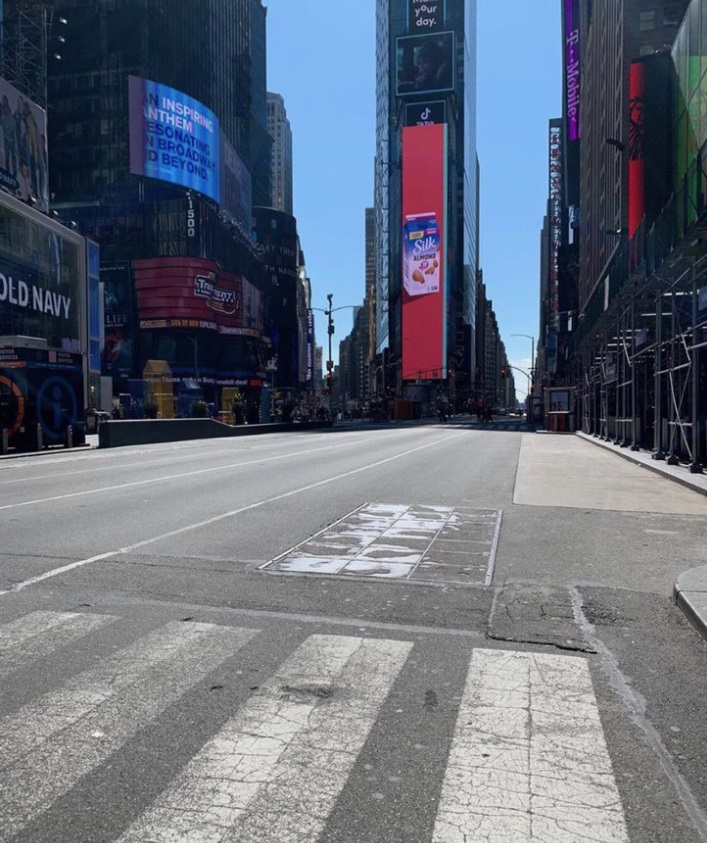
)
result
[(690, 588), (47, 452), (653, 466), (687, 600)]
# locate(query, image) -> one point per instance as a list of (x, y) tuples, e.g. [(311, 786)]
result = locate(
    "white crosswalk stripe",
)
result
[(275, 771), (49, 744), (529, 761), (41, 634)]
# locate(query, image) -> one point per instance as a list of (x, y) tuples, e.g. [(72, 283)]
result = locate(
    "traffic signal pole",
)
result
[(330, 362)]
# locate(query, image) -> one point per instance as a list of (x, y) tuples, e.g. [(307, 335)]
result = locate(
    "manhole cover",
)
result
[(394, 541)]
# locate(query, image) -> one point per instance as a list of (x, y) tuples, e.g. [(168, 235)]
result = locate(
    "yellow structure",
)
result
[(160, 390)]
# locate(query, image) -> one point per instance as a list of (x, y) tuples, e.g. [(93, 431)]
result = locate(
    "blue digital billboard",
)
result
[(173, 137)]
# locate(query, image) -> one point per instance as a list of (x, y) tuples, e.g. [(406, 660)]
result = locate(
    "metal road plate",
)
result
[(422, 544)]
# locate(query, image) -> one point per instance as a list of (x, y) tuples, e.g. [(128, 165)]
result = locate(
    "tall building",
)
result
[(623, 30), (636, 359), (426, 198), (281, 153), (370, 296), (158, 151)]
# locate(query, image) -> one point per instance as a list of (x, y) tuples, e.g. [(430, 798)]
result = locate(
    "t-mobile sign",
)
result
[(426, 16), (572, 70)]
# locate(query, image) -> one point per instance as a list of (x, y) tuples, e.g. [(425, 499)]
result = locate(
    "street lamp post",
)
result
[(529, 400), (330, 331)]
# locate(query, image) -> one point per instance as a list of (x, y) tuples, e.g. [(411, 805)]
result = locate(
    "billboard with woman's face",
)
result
[(425, 63)]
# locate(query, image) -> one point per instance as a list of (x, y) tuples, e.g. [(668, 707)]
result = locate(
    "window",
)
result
[(647, 50), (646, 21), (672, 16)]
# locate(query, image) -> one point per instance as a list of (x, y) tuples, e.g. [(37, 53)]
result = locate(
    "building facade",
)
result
[(636, 355), (426, 228), (158, 151), (281, 153)]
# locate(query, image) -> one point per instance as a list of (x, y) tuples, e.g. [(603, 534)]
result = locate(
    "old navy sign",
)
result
[(426, 16), (426, 113), (31, 297), (572, 70)]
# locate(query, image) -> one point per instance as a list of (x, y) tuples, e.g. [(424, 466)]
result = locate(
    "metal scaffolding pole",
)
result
[(658, 452), (695, 467), (634, 431)]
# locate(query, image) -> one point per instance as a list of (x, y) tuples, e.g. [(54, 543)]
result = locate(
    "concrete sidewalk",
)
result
[(690, 589)]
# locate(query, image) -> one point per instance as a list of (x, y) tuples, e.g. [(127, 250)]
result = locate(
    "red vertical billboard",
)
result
[(636, 162), (424, 245), (636, 139)]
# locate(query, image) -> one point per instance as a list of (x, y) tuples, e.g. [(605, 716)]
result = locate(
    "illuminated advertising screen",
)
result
[(39, 387), (173, 137), (555, 212), (424, 244), (310, 347), (23, 152), (425, 63), (118, 342), (425, 113), (195, 293), (636, 142), (572, 70), (41, 274), (426, 16)]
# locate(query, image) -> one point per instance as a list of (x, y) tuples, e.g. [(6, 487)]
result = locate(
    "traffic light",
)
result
[(504, 373)]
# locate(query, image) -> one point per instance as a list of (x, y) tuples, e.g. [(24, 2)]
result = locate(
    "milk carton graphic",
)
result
[(421, 254)]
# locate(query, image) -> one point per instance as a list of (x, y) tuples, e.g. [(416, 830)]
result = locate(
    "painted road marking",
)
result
[(42, 633), (71, 566), (276, 769), (51, 743), (401, 542), (529, 761)]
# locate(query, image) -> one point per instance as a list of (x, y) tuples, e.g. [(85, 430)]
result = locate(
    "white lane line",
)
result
[(166, 478), (488, 579), (113, 466), (529, 761), (41, 634), (275, 770), (51, 743), (216, 518)]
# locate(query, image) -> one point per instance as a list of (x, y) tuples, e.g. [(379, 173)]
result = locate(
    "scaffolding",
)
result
[(26, 31), (641, 373)]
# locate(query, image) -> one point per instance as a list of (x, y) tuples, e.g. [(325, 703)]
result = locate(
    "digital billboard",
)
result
[(556, 223), (424, 245), (118, 342), (195, 293), (572, 70), (39, 387), (425, 113), (425, 63), (636, 142), (41, 273), (426, 16), (173, 137), (23, 152)]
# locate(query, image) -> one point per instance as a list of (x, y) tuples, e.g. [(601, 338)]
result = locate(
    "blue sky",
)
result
[(321, 58)]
